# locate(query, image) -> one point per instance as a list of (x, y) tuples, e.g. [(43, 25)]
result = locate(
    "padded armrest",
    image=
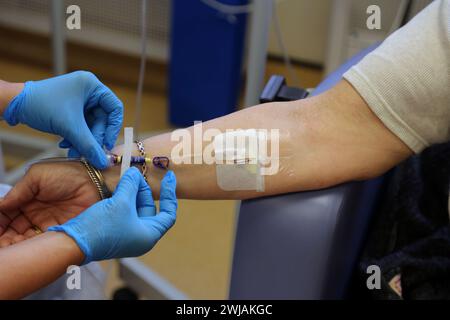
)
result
[(301, 245)]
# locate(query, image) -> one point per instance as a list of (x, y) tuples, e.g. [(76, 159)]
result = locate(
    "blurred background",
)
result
[(203, 59)]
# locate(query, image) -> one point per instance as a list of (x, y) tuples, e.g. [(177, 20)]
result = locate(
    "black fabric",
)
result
[(410, 234)]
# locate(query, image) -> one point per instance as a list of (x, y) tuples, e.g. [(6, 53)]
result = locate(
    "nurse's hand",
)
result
[(127, 224), (75, 106), (49, 194)]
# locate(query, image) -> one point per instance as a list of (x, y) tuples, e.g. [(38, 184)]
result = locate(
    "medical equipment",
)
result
[(160, 162), (238, 160), (96, 175), (138, 109), (127, 145), (113, 160)]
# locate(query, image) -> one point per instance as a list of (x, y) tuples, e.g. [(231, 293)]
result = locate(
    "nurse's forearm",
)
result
[(8, 91), (324, 140), (32, 264)]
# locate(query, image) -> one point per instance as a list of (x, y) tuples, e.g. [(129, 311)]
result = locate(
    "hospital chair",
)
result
[(302, 245)]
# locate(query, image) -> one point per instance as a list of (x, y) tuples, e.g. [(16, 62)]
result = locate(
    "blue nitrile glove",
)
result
[(75, 106), (125, 225)]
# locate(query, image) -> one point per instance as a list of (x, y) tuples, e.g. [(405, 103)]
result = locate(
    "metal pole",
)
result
[(338, 34), (257, 50), (58, 37), (258, 38), (2, 164)]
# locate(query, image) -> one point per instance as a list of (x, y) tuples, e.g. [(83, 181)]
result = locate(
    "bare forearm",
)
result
[(8, 91), (324, 140), (30, 265)]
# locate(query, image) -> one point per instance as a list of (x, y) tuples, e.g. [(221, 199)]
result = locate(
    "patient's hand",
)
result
[(49, 194)]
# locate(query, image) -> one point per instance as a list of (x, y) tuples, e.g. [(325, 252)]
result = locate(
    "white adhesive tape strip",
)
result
[(127, 145), (237, 160)]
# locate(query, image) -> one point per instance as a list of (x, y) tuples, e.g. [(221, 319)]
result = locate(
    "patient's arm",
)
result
[(324, 140), (33, 264)]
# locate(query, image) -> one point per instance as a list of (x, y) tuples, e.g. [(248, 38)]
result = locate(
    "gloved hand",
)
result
[(125, 225), (76, 106)]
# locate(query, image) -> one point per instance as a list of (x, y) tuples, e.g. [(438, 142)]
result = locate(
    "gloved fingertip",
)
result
[(130, 176), (73, 153), (134, 173), (100, 161), (94, 153), (170, 177), (109, 145), (111, 134), (129, 183), (64, 144)]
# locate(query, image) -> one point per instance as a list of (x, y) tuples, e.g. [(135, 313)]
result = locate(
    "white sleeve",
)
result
[(406, 80)]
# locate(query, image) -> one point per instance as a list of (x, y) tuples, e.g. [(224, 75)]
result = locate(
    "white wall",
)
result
[(304, 25)]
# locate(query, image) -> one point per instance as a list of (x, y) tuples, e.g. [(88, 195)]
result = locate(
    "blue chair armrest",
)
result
[(303, 245)]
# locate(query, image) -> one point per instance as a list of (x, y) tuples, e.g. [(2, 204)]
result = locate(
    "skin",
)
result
[(26, 266), (325, 140), (8, 90), (48, 195), (337, 139), (33, 264)]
